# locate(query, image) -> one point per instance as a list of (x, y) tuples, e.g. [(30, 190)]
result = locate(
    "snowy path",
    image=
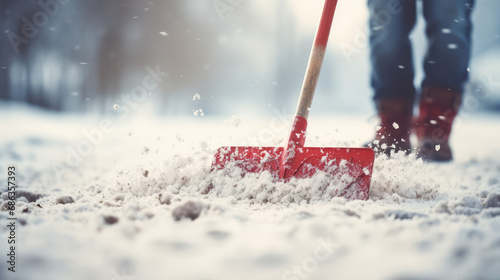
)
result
[(112, 216)]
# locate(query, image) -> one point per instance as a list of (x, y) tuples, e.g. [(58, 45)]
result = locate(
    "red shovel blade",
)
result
[(349, 168)]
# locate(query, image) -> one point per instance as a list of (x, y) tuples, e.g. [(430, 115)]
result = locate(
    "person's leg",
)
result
[(391, 22), (449, 33)]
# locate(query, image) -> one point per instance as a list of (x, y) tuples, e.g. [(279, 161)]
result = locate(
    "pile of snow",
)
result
[(144, 205)]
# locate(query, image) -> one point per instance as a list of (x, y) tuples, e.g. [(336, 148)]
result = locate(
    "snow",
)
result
[(233, 121), (138, 206)]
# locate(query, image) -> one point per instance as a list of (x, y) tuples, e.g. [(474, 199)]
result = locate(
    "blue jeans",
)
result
[(448, 29)]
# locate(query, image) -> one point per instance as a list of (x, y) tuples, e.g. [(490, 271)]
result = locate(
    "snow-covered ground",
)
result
[(124, 209)]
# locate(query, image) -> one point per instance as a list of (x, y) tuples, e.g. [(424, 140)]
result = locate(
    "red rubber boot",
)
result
[(438, 109), (393, 132)]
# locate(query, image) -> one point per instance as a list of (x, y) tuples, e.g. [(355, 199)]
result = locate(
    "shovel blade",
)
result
[(350, 168)]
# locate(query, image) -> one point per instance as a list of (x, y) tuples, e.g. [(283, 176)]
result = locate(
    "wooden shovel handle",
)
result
[(316, 59)]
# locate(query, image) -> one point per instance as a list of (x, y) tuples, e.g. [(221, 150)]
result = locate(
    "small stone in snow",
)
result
[(189, 210), (109, 220), (64, 199), (31, 197)]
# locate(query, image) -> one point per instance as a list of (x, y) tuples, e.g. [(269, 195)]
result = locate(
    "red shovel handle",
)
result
[(326, 23), (316, 59), (298, 132)]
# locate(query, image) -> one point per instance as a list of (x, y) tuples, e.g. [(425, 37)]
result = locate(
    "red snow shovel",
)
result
[(350, 168)]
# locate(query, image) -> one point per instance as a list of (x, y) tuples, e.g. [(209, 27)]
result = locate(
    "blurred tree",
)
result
[(96, 50)]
